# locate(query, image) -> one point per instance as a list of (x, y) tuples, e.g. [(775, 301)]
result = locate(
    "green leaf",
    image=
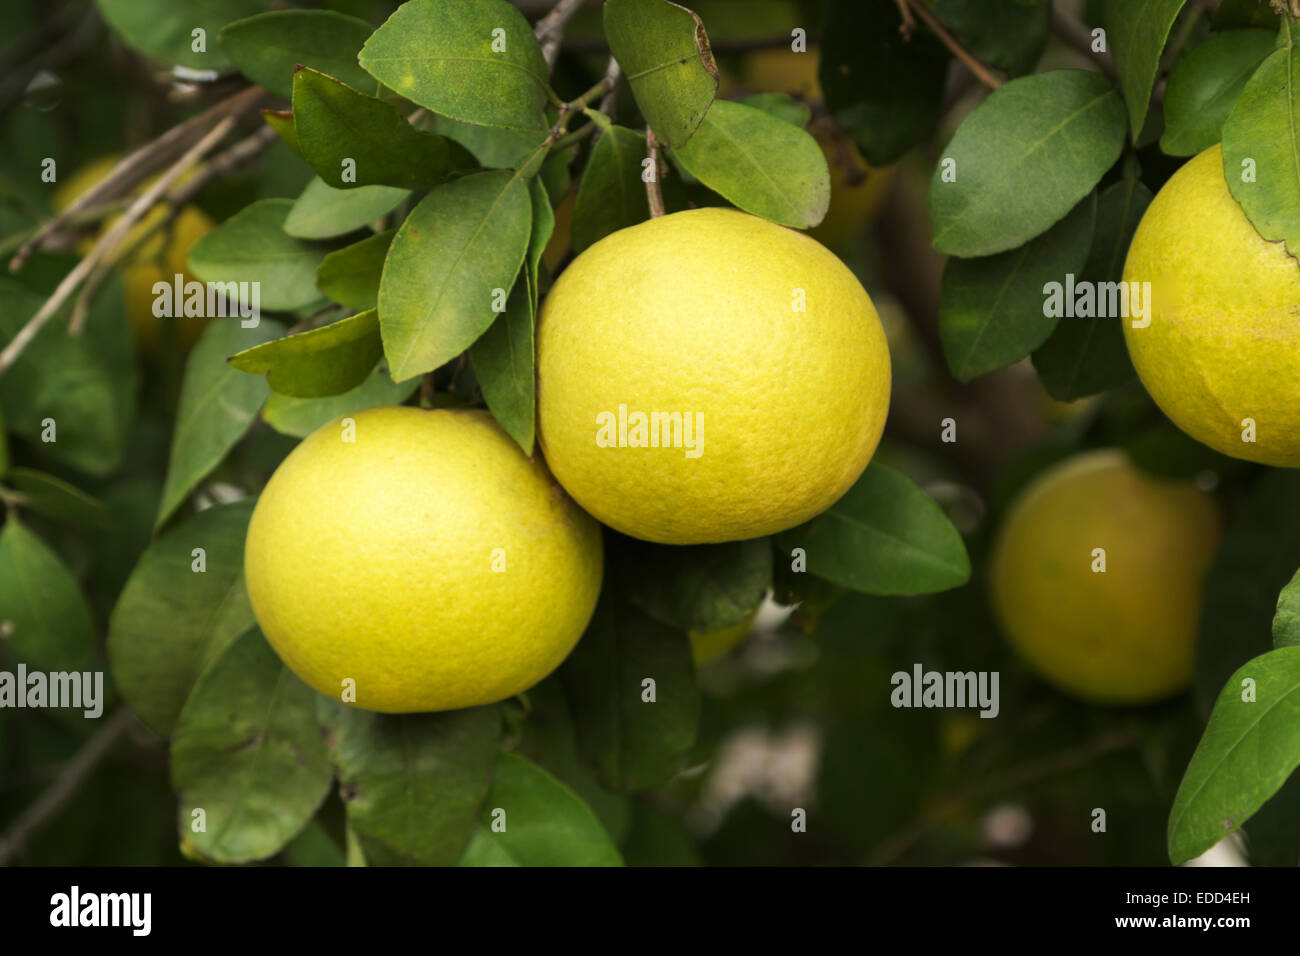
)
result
[(56, 498), (43, 613), (412, 783), (460, 248), (1249, 749), (132, 503), (699, 588), (492, 146), (882, 90), (1273, 833), (1205, 85), (340, 129), (68, 380), (4, 445), (611, 195), (299, 417), (217, 405), (780, 106), (165, 28), (323, 212), (267, 48), (1262, 128), (247, 751), (282, 122), (1009, 35), (547, 738), (350, 276), (503, 356), (1023, 159), (503, 361), (993, 311), (1259, 555), (631, 742), (326, 361), (666, 58), (554, 175), (173, 619), (885, 536), (1085, 356), (251, 246), (531, 819), (1286, 625), (658, 838), (314, 846), (542, 226), (760, 163), (472, 60), (1137, 35)]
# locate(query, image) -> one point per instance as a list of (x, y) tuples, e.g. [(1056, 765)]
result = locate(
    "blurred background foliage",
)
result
[(798, 715)]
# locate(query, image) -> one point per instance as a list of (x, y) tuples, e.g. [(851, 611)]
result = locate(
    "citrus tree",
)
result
[(461, 431)]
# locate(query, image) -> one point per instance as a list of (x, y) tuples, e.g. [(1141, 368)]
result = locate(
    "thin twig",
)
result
[(549, 30), (138, 165), (959, 51), (86, 298), (111, 259), (653, 191), (908, 26), (612, 72), (559, 136), (90, 217), (1077, 36), (65, 787), (720, 44), (244, 151), (109, 241), (568, 139)]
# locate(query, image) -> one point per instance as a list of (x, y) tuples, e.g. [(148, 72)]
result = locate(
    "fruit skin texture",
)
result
[(1125, 636), (374, 561), (1224, 339), (693, 313)]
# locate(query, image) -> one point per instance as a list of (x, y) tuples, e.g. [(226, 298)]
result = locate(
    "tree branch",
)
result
[(109, 241), (549, 30), (138, 165), (245, 151), (975, 66), (612, 72), (653, 191), (908, 25), (65, 787)]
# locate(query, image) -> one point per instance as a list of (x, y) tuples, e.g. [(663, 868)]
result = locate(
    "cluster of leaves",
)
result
[(422, 163), (438, 149), (1049, 175)]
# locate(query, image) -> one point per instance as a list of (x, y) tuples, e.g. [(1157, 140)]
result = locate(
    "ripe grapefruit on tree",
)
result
[(1125, 634), (428, 561)]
